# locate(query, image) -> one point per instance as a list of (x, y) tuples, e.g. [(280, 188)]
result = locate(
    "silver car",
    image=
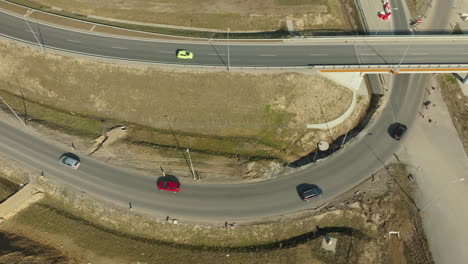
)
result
[(70, 160)]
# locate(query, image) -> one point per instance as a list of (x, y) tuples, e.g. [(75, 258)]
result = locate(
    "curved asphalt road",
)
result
[(229, 202), (289, 53), (226, 202)]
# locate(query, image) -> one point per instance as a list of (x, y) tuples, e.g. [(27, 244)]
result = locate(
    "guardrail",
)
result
[(394, 68), (406, 36)]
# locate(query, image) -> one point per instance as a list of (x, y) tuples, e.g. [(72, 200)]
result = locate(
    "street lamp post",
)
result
[(438, 195), (229, 55), (37, 39), (407, 49), (191, 165), (344, 138)]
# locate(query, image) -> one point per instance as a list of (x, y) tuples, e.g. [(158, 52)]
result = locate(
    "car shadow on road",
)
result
[(392, 128), (71, 155), (301, 188), (169, 178)]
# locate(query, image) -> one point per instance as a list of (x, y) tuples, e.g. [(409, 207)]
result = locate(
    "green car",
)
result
[(184, 54)]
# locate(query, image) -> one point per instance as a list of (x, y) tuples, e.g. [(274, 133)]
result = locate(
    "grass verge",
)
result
[(267, 18), (110, 243), (457, 104)]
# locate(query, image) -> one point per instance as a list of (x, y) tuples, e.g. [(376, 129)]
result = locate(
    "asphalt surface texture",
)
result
[(225, 202), (287, 54), (400, 16)]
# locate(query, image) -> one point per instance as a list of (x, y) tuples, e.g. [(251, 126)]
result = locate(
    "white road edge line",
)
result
[(214, 54), (267, 55), (418, 54), (318, 54), (369, 54), (71, 40), (123, 48)]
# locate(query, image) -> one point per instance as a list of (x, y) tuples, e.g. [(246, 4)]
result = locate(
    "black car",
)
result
[(399, 131), (311, 192)]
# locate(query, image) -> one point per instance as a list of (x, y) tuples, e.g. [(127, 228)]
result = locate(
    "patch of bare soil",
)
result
[(418, 8)]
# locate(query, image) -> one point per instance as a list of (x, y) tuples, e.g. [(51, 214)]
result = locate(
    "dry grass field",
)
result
[(213, 14)]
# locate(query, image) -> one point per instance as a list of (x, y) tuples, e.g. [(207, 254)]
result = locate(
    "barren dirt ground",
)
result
[(219, 14)]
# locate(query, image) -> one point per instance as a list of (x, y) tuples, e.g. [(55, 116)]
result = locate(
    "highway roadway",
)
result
[(231, 202), (198, 202), (339, 51)]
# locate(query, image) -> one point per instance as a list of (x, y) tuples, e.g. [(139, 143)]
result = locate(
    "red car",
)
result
[(169, 186)]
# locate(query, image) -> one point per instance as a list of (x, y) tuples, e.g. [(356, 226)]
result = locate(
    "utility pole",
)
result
[(229, 55), (27, 23), (191, 165)]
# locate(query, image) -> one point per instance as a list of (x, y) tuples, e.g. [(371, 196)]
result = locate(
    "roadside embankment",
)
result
[(360, 219)]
